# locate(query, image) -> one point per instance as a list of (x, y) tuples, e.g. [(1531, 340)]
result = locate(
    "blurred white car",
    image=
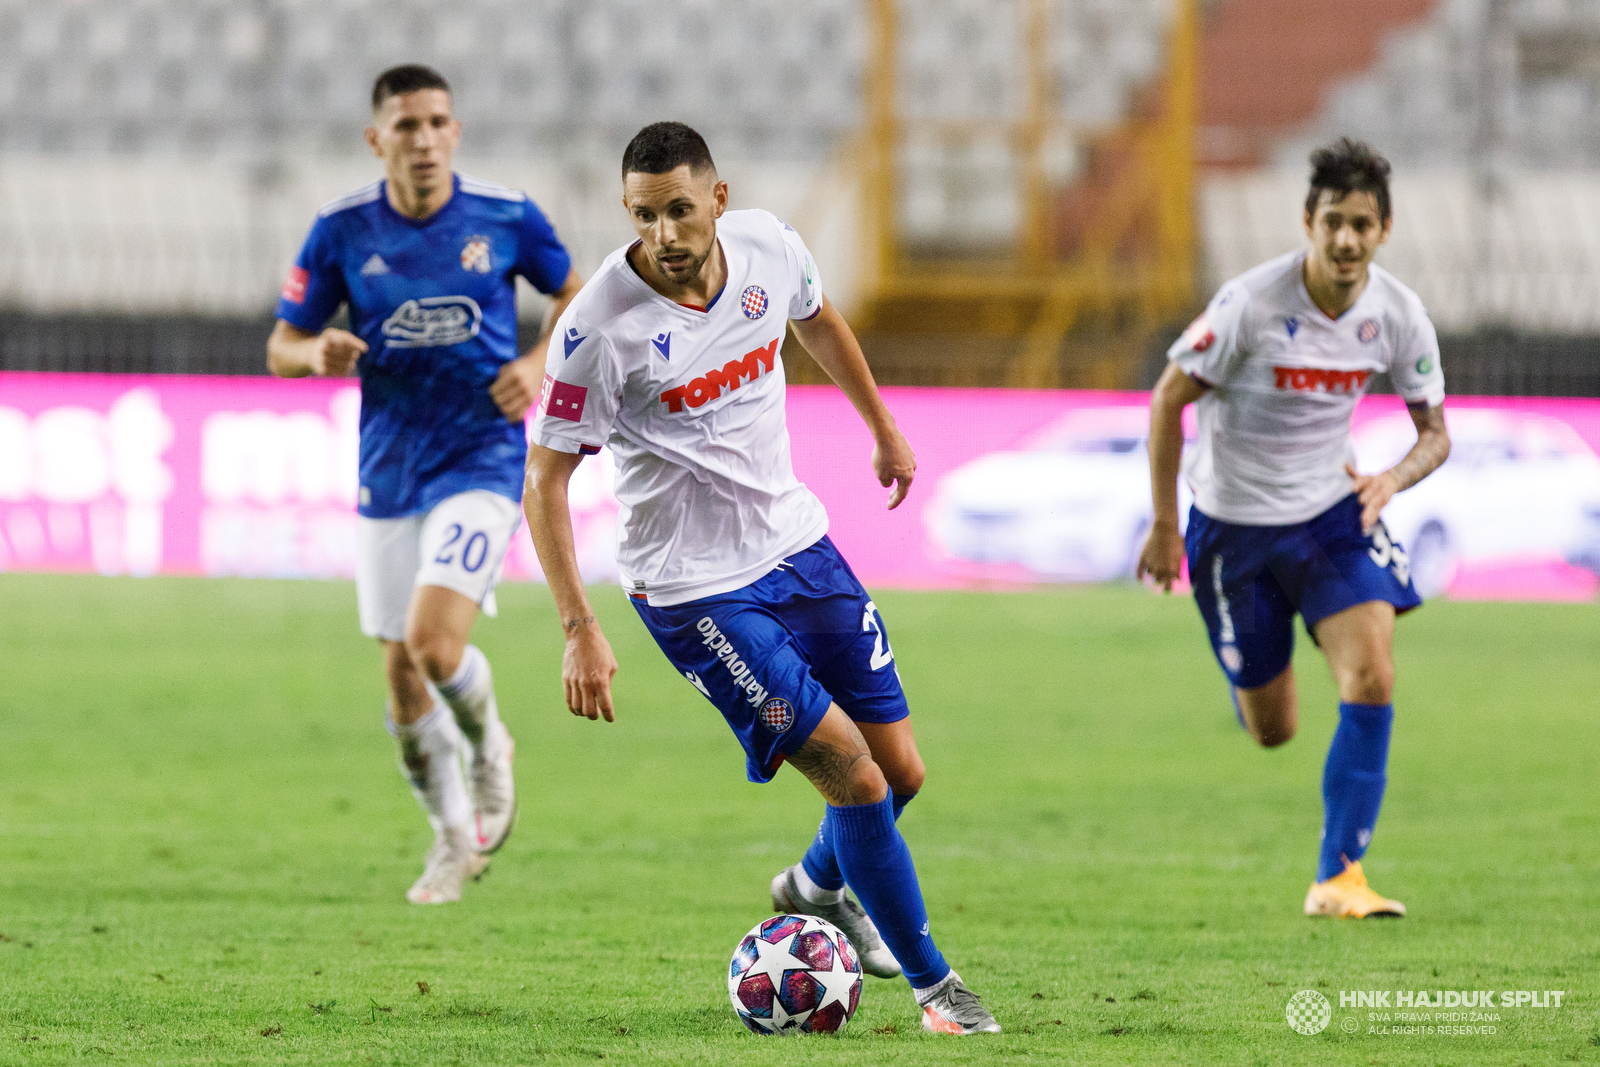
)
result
[(1516, 486), (1073, 504)]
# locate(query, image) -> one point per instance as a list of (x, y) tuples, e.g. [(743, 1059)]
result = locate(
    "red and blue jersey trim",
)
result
[(588, 450)]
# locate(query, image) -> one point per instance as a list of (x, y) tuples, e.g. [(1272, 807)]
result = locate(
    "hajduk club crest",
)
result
[(754, 302), (475, 255)]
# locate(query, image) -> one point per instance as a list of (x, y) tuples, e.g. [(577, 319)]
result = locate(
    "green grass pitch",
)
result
[(204, 842)]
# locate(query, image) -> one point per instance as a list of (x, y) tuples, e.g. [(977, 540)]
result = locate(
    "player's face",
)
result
[(1345, 233), (415, 134), (675, 215)]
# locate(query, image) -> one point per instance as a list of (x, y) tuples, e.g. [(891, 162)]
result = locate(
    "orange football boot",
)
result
[(1348, 896)]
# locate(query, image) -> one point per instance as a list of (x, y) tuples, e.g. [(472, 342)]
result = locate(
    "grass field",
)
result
[(204, 842)]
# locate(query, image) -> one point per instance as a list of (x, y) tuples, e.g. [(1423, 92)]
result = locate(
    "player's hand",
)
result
[(893, 462), (1374, 491), (1161, 558), (587, 668), (516, 389), (336, 352)]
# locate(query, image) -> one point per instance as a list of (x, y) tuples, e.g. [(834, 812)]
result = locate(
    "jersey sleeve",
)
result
[(1415, 370), (315, 286), (541, 257), (807, 300), (1210, 348), (582, 389)]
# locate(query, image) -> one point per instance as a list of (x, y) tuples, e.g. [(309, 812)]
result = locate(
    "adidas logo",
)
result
[(375, 265)]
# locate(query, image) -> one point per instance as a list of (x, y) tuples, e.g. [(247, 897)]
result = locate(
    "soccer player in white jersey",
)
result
[(670, 356), (427, 261), (1282, 522)]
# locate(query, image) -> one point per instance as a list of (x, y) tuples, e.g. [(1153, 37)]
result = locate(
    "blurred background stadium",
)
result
[(1001, 192)]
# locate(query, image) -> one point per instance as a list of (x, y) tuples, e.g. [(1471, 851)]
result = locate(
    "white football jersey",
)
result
[(691, 404), (1274, 428)]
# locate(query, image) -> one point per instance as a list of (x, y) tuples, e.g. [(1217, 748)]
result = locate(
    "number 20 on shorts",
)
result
[(473, 552)]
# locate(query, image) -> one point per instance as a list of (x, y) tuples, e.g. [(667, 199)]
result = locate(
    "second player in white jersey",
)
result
[(708, 494), (1284, 378)]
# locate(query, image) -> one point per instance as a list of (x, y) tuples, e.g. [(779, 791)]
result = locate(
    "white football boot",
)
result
[(494, 794), (450, 864), (847, 915), (952, 1008)]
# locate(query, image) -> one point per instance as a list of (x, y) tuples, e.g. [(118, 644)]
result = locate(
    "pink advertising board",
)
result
[(256, 476)]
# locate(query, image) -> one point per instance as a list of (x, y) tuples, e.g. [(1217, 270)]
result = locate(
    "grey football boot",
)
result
[(847, 915), (952, 1008)]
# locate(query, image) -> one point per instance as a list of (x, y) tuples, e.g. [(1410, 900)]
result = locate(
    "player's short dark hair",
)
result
[(1346, 167), (406, 78), (662, 147)]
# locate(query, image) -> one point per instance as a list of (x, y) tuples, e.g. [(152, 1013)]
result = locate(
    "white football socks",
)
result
[(470, 694), (814, 893), (430, 758)]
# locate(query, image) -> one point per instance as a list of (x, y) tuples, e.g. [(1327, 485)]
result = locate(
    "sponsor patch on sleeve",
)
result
[(562, 400), (1199, 336), (294, 286)]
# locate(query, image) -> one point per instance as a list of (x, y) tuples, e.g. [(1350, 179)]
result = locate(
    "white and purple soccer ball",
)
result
[(795, 972)]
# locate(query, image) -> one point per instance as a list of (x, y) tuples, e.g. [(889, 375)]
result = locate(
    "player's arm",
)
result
[(1162, 555), (295, 353), (587, 665), (1432, 449), (516, 389), (831, 343)]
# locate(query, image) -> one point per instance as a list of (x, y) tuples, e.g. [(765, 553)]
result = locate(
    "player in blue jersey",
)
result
[(670, 356), (1282, 523), (426, 260)]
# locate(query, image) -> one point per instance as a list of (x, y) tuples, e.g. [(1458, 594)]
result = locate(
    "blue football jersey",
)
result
[(435, 300)]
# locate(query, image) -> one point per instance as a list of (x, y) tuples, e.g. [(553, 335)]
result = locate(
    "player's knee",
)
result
[(865, 783), (1370, 682), (907, 778), (435, 653)]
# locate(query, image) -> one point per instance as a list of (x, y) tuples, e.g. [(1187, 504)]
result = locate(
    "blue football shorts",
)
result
[(1249, 581), (773, 655)]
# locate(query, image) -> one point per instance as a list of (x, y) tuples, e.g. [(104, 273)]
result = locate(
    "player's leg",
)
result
[(877, 864), (427, 740), (1271, 712), (1349, 591), (463, 541), (1358, 642)]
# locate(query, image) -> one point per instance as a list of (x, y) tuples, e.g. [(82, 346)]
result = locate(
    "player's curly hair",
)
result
[(662, 147), (406, 78), (1346, 167)]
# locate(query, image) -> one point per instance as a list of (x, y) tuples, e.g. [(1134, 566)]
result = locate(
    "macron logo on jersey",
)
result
[(571, 341), (294, 286), (709, 386), (433, 322), (663, 343), (562, 400), (1309, 379)]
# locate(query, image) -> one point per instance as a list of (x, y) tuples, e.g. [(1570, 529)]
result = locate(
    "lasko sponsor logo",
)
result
[(433, 321), (1199, 335), (743, 679), (709, 386), (1307, 379), (294, 286), (562, 400)]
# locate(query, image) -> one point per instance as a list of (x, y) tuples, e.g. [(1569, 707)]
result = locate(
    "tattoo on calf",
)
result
[(829, 767)]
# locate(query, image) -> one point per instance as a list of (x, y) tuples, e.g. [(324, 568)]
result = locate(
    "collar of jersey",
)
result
[(1305, 294), (627, 257), (421, 224)]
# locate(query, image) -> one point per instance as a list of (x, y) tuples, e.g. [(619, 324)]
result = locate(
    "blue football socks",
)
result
[(1352, 784), (819, 862), (876, 862)]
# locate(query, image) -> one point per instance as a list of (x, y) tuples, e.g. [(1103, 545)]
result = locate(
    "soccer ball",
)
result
[(795, 972)]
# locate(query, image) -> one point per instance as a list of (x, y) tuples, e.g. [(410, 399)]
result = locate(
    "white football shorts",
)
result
[(460, 545)]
